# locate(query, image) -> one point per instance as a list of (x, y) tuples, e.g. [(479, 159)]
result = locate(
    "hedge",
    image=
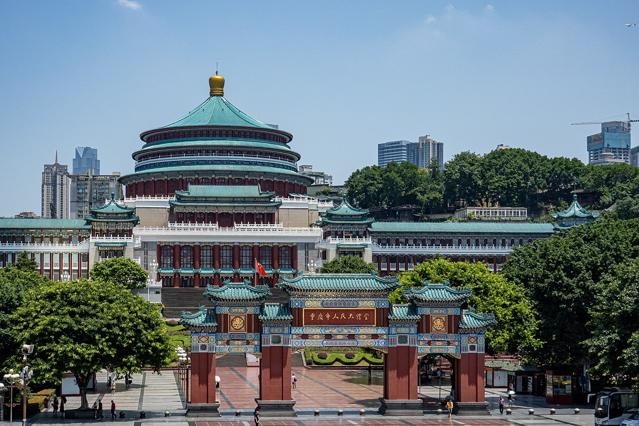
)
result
[(344, 359)]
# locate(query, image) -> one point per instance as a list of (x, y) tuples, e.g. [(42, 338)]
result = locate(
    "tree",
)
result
[(614, 322), (462, 179), (610, 183), (85, 326), (516, 320), (347, 265), (25, 263), (560, 276), (120, 270), (364, 187), (14, 284)]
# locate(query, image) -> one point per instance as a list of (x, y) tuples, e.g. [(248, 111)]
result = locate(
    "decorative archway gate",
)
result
[(338, 310)]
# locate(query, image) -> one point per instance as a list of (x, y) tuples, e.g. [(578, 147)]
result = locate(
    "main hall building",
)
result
[(217, 190)]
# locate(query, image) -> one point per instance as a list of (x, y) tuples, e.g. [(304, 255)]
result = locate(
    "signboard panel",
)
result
[(338, 316)]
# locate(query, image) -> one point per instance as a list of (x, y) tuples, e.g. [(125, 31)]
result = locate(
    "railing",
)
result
[(348, 240), (110, 238), (149, 198), (444, 249), (45, 247), (177, 228)]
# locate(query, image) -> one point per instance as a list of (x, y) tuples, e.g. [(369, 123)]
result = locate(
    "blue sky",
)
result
[(342, 76)]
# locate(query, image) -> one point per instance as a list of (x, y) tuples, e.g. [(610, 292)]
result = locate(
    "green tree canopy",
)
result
[(120, 270), (463, 180), (610, 183), (614, 321), (25, 262), (14, 284), (516, 320), (347, 265), (85, 326), (560, 275)]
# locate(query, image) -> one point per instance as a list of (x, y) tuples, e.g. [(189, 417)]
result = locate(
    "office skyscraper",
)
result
[(90, 192), (610, 146), (55, 191), (85, 161), (420, 153)]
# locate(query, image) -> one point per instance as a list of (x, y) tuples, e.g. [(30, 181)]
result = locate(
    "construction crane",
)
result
[(628, 121)]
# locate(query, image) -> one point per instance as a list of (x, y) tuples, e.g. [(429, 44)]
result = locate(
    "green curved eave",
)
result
[(234, 143), (218, 111), (220, 168)]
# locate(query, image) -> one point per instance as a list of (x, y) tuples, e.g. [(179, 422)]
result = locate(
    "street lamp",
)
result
[(11, 379), (3, 389), (25, 376), (65, 276), (312, 266), (150, 282)]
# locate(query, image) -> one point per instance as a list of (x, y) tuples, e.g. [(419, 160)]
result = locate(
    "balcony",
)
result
[(81, 247), (240, 233), (444, 250)]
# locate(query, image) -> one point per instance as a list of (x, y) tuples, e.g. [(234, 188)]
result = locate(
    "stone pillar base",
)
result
[(275, 408), (471, 408), (203, 410), (401, 407)]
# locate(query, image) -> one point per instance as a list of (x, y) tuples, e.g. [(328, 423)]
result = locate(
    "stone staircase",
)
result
[(178, 300)]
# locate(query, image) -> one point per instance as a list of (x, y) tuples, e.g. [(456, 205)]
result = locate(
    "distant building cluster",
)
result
[(611, 145), (72, 196), (421, 153), (319, 178)]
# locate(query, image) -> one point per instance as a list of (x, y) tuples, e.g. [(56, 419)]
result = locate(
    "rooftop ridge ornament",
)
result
[(216, 83)]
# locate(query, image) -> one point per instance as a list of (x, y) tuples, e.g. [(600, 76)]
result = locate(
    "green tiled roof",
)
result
[(403, 312), (224, 191), (575, 210), (223, 168), (218, 111), (23, 223), (463, 227), (362, 220), (112, 207), (437, 293), (244, 143), (340, 282), (472, 320), (202, 318), (275, 312), (244, 292), (345, 209)]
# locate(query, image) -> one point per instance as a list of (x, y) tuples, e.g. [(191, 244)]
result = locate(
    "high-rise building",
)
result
[(90, 192), (425, 151), (634, 156), (55, 191), (610, 146), (394, 151), (86, 161), (420, 153)]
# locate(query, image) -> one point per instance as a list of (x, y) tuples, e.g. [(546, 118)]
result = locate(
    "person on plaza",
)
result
[(256, 416), (501, 404), (449, 407), (63, 401), (294, 381), (55, 406), (100, 412), (113, 410), (95, 410)]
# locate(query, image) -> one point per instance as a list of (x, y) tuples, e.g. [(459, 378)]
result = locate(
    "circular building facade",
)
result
[(215, 144)]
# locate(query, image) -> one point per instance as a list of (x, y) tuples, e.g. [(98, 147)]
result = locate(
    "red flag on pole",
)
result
[(259, 269)]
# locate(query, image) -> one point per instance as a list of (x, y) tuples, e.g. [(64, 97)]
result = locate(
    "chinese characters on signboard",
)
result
[(339, 316)]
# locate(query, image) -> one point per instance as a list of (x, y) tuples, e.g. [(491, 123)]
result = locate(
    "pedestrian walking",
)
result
[(294, 381), (63, 401), (113, 410), (100, 412), (55, 406), (449, 407), (256, 416), (501, 404), (95, 410)]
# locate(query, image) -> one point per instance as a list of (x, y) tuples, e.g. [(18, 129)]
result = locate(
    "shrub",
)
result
[(322, 355), (350, 355)]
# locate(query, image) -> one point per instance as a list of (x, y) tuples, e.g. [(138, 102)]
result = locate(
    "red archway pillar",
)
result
[(275, 378), (400, 383), (469, 378), (203, 401)]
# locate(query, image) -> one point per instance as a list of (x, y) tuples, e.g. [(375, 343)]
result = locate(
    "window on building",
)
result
[(226, 257), (265, 257), (167, 257), (206, 257), (285, 257), (186, 258), (246, 257)]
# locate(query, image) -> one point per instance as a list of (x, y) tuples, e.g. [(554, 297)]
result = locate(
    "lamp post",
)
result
[(150, 282), (25, 376), (65, 276), (3, 389), (312, 265), (11, 378)]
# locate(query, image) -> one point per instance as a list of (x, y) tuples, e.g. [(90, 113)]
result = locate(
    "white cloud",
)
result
[(430, 19), (489, 8), (130, 4)]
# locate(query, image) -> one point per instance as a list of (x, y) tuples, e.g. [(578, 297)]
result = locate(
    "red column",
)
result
[(202, 378), (469, 377), (79, 265), (400, 373), (387, 264), (176, 264), (41, 263), (196, 265), (51, 266), (236, 256), (294, 257), (159, 260), (276, 257), (275, 373), (256, 254), (70, 267), (61, 265)]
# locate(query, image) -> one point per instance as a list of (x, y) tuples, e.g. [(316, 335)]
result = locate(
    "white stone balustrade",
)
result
[(81, 247), (455, 250)]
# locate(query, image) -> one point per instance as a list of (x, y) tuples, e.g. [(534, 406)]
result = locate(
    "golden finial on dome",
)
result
[(216, 83)]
